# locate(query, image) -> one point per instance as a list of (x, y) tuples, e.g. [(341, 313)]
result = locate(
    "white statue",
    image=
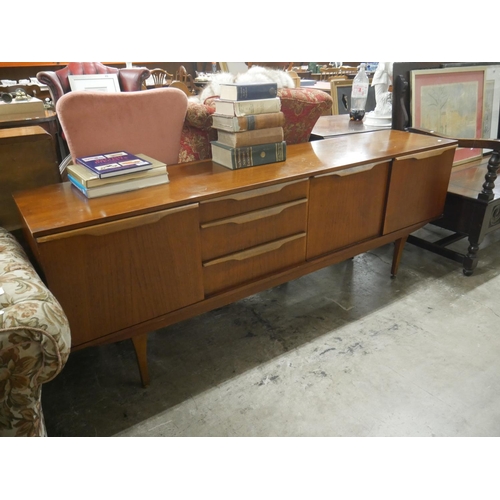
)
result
[(382, 80)]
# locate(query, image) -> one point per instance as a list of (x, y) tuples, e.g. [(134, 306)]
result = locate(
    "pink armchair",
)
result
[(129, 79), (301, 106)]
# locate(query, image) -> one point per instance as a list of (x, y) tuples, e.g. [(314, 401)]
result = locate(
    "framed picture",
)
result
[(491, 116), (341, 96), (450, 101), (97, 83)]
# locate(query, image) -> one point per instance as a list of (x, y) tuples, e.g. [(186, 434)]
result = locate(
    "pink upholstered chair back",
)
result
[(148, 122)]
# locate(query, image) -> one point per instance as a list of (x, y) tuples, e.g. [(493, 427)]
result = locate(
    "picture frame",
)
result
[(341, 90), (105, 82), (491, 117), (450, 101)]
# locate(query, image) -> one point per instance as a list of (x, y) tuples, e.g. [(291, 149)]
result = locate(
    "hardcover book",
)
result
[(243, 108), (248, 156), (248, 91), (116, 163), (119, 187), (248, 122), (251, 137), (89, 179)]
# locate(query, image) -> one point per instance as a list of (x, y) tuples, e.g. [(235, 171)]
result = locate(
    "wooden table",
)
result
[(27, 160), (320, 85), (127, 264), (47, 120), (334, 125)]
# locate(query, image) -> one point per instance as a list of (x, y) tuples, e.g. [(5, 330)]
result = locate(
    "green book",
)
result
[(248, 156)]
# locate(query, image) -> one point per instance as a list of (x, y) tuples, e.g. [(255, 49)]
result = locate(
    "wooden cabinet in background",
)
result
[(27, 160)]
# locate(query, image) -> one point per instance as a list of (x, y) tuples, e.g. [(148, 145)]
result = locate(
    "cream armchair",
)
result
[(34, 341)]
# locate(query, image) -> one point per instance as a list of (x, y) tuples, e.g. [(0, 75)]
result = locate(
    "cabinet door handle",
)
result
[(117, 225), (352, 170), (254, 193), (253, 252), (256, 215), (425, 154)]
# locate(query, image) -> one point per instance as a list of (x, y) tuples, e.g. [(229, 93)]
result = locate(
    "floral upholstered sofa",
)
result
[(301, 106), (34, 341)]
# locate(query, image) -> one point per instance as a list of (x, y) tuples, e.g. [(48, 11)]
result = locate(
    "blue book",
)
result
[(116, 163), (248, 91)]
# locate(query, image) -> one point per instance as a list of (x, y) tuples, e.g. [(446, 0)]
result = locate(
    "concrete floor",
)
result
[(345, 351)]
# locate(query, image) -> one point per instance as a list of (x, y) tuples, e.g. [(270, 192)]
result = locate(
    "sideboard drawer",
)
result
[(233, 234), (238, 268), (253, 199)]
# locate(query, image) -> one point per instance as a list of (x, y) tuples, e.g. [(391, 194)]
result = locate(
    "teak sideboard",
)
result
[(127, 264)]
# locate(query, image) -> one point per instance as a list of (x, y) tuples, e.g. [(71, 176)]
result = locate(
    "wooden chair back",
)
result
[(182, 86), (161, 77), (183, 76)]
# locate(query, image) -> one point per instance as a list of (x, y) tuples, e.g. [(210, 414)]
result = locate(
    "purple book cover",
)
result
[(116, 163)]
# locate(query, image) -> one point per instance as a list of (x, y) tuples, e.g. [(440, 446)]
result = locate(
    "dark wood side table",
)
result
[(47, 120), (334, 125), (27, 160)]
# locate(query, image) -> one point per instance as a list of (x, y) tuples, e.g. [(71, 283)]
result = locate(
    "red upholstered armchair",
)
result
[(301, 106), (129, 79)]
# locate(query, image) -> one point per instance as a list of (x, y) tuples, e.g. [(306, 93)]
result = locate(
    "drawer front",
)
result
[(233, 234), (346, 207), (254, 199), (249, 265)]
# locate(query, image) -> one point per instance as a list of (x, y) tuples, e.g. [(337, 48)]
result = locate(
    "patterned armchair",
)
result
[(301, 106), (34, 341)]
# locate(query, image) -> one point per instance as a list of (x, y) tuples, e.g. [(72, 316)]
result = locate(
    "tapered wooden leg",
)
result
[(141, 351), (398, 252)]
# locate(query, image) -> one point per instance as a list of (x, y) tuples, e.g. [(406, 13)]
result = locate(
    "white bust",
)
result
[(382, 79)]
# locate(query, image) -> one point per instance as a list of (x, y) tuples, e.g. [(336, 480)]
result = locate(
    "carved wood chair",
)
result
[(183, 76), (472, 207), (161, 77), (182, 86)]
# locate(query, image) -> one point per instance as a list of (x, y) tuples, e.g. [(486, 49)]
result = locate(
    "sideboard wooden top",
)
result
[(61, 207)]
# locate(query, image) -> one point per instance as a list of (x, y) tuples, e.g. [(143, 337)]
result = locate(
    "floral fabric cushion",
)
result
[(301, 106), (35, 341)]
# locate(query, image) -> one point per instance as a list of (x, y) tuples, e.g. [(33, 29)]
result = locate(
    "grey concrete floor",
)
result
[(345, 351)]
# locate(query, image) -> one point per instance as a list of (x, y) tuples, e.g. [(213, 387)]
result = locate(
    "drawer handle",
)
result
[(252, 216), (254, 193), (425, 154), (352, 170), (253, 252), (117, 225)]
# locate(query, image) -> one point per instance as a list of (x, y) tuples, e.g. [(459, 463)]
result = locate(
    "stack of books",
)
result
[(116, 172), (249, 125)]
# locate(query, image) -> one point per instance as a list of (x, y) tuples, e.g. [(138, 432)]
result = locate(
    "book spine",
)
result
[(258, 155), (243, 108), (251, 137), (249, 122), (78, 186), (249, 92)]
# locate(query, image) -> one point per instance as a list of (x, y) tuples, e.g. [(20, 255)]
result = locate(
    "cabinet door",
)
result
[(346, 207), (114, 275), (418, 188)]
